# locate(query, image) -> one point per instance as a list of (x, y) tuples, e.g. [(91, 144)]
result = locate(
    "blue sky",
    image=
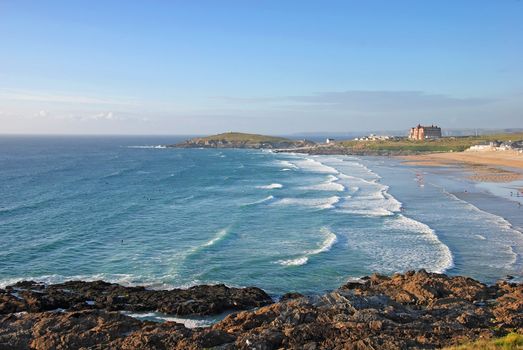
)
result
[(278, 67)]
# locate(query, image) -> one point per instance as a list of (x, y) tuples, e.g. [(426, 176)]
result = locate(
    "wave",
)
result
[(159, 317), (367, 196), (330, 239), (328, 243), (446, 260), (220, 235), (329, 185), (312, 165), (508, 243), (372, 199), (271, 186), (287, 165), (266, 199), (379, 203), (319, 203), (149, 147), (122, 279), (294, 262)]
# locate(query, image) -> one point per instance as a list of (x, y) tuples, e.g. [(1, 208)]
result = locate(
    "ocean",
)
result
[(124, 209)]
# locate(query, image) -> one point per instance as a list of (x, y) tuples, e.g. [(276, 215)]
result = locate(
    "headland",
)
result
[(243, 140)]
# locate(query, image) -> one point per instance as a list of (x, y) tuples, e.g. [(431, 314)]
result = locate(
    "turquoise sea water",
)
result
[(123, 210)]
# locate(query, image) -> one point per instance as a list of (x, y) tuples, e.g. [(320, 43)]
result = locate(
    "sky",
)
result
[(274, 67)]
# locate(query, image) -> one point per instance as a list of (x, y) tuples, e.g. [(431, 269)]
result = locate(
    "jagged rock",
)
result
[(79, 295), (416, 310)]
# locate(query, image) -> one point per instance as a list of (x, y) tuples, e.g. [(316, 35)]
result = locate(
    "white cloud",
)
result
[(42, 113), (103, 116)]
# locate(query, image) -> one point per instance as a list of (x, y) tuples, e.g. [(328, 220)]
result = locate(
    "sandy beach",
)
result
[(484, 166)]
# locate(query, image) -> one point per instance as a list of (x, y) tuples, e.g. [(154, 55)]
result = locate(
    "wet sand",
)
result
[(481, 166), (495, 177)]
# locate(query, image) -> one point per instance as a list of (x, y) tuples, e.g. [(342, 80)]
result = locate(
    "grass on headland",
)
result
[(242, 137), (512, 341), (445, 144)]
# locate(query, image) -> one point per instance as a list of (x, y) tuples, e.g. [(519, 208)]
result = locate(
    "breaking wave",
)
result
[(149, 147), (328, 242), (318, 203), (220, 235), (330, 184), (271, 186), (266, 199)]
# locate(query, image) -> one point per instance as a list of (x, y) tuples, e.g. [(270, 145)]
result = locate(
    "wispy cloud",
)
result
[(35, 96), (361, 100)]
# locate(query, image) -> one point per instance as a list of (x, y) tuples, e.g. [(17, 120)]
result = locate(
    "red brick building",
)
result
[(425, 132)]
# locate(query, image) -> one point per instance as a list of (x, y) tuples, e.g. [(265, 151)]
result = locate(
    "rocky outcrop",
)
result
[(79, 295), (242, 140), (202, 143), (416, 310)]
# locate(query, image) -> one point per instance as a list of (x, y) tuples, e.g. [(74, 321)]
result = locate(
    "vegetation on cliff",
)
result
[(242, 140), (445, 144), (512, 341)]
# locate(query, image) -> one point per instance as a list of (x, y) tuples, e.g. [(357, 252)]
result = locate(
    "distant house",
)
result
[(329, 140), (373, 137), (425, 132), (499, 146)]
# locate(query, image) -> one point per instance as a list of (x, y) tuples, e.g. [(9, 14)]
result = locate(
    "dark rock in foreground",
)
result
[(415, 310), (79, 295)]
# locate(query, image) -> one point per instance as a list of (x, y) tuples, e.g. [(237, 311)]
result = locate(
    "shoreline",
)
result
[(485, 166), (498, 173), (375, 311)]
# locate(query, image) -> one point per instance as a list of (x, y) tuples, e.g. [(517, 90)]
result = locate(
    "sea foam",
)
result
[(149, 147), (318, 203), (330, 184), (313, 165), (329, 239), (220, 235), (271, 186), (263, 200)]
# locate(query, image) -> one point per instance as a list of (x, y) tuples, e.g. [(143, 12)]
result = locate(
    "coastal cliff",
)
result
[(241, 140), (416, 310)]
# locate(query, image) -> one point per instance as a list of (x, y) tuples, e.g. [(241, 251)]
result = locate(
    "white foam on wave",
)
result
[(187, 322), (271, 186), (149, 147), (294, 262), (266, 199), (369, 197), (444, 260), (220, 235), (312, 165), (123, 279), (509, 243), (328, 243), (329, 239), (330, 184), (287, 165), (378, 203), (319, 203)]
